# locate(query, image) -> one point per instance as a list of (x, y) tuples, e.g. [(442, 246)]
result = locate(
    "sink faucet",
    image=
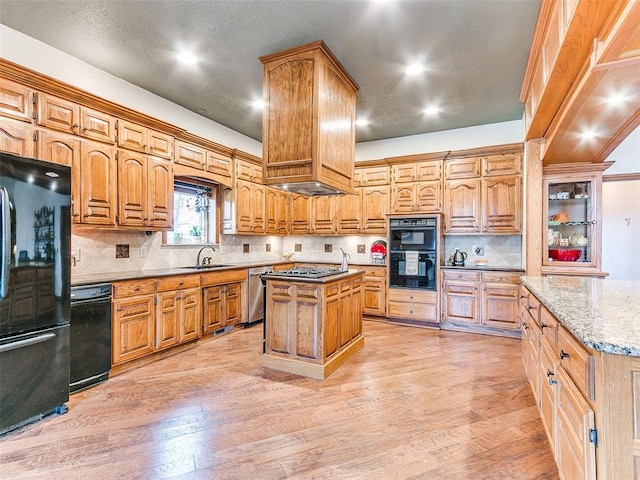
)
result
[(345, 261), (205, 260)]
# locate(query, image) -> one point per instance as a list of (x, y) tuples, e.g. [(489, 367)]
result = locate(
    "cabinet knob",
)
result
[(525, 326), (137, 289), (564, 354), (75, 125)]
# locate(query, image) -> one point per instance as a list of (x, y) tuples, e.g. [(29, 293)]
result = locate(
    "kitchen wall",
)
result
[(621, 213), (499, 250)]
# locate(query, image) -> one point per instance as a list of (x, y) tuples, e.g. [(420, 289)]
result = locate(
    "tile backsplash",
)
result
[(98, 250)]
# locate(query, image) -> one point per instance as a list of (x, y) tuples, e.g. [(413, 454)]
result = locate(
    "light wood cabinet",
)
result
[(348, 209), (250, 207), (133, 320), (375, 206), (461, 297), (278, 221), (58, 148), (300, 214), (412, 307), (190, 155), (249, 171), (423, 197), (323, 215), (484, 194), (145, 190), (224, 299), (374, 291), (98, 185), (16, 101), (500, 303), (139, 138), (305, 89), (370, 176), (178, 314), (220, 162), (17, 138), (69, 117)]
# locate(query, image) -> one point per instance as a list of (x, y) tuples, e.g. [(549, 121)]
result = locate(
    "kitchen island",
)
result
[(312, 325), (581, 351)]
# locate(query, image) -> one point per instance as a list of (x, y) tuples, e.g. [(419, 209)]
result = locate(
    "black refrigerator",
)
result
[(35, 225)]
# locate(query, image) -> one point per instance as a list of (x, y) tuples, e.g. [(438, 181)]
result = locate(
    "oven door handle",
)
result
[(26, 342), (5, 213), (94, 301)]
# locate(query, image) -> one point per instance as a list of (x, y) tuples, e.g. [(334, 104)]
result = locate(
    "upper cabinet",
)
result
[(145, 140), (309, 121), (16, 101), (483, 194), (584, 62)]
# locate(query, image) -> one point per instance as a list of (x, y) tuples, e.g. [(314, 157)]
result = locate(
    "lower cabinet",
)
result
[(132, 320), (413, 307), (483, 302), (178, 310), (375, 291), (223, 294)]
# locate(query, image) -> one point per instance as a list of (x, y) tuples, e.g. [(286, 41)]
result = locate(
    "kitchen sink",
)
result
[(207, 267)]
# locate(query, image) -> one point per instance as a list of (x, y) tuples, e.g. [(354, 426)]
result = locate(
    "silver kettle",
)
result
[(459, 258)]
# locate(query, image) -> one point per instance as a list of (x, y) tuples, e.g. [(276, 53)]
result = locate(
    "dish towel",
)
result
[(411, 267)]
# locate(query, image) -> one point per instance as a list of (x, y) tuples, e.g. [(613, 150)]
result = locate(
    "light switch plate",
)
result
[(245, 248), (268, 247)]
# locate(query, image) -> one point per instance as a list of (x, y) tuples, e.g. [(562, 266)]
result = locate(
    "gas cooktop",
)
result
[(306, 272)]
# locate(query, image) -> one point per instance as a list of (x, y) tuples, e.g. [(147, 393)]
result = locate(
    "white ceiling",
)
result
[(476, 52)]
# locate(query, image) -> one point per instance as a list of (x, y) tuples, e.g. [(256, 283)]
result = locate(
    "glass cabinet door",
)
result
[(571, 234)]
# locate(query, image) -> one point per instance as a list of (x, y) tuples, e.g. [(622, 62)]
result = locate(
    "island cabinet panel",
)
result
[(313, 327)]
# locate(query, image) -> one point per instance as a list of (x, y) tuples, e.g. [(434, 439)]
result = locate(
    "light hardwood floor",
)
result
[(413, 404)]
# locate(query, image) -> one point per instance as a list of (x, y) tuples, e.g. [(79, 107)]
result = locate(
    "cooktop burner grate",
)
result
[(306, 272)]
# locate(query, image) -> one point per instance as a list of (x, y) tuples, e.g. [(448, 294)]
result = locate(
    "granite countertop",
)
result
[(493, 268), (603, 314), (91, 278)]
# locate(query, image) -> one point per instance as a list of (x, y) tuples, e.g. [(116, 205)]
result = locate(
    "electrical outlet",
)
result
[(245, 248), (478, 251), (144, 251), (76, 255), (268, 247)]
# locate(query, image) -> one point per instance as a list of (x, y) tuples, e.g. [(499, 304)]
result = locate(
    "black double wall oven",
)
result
[(413, 253)]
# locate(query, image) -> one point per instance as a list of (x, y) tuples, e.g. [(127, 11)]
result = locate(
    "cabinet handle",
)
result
[(522, 296), (564, 354), (529, 307), (543, 325), (75, 125), (552, 381), (550, 373), (525, 326)]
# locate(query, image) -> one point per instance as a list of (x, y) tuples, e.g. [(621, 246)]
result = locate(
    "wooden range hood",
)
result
[(308, 127)]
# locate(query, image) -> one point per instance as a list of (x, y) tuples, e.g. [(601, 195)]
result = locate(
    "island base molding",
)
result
[(313, 370)]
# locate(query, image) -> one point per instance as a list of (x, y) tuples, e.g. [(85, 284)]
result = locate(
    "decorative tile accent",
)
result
[(298, 247), (245, 248), (122, 251), (328, 248)]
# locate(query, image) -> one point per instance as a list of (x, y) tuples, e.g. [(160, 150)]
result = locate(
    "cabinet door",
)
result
[(159, 144), (428, 197), (132, 189), (403, 198), (500, 305), (404, 173), (375, 206), (97, 184), (232, 305), (502, 204), (461, 302), (190, 155), (58, 114), (368, 177), (190, 317), (258, 208), (160, 192), (374, 298), (132, 136), (16, 101), (133, 328), (276, 211), (575, 454), (98, 126), (219, 163), (462, 168), (348, 208), (213, 308), (248, 171), (17, 138), (244, 208), (324, 215), (502, 164), (167, 319), (429, 171), (300, 214), (462, 205)]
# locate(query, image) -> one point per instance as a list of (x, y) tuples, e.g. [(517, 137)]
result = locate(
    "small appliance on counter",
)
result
[(458, 258)]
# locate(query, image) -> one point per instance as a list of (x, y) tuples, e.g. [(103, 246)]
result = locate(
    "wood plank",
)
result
[(413, 403)]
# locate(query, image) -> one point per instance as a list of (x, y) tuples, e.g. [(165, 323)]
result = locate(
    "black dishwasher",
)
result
[(90, 335)]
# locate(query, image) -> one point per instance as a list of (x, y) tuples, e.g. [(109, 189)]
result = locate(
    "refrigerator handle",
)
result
[(5, 213)]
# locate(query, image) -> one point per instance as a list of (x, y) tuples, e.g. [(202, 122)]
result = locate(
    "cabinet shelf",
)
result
[(568, 247), (572, 224)]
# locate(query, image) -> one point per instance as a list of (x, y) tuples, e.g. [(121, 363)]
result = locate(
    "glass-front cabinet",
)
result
[(572, 208)]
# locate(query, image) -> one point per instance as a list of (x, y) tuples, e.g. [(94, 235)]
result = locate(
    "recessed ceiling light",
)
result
[(414, 69), (588, 134), (362, 122), (187, 57), (617, 99), (432, 111), (259, 104)]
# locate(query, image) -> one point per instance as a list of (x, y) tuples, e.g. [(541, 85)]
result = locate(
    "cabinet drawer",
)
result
[(178, 283), (533, 306), (225, 276), (375, 271), (416, 311), (461, 275), (412, 296), (549, 326), (460, 288), (501, 277), (129, 289), (577, 361)]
